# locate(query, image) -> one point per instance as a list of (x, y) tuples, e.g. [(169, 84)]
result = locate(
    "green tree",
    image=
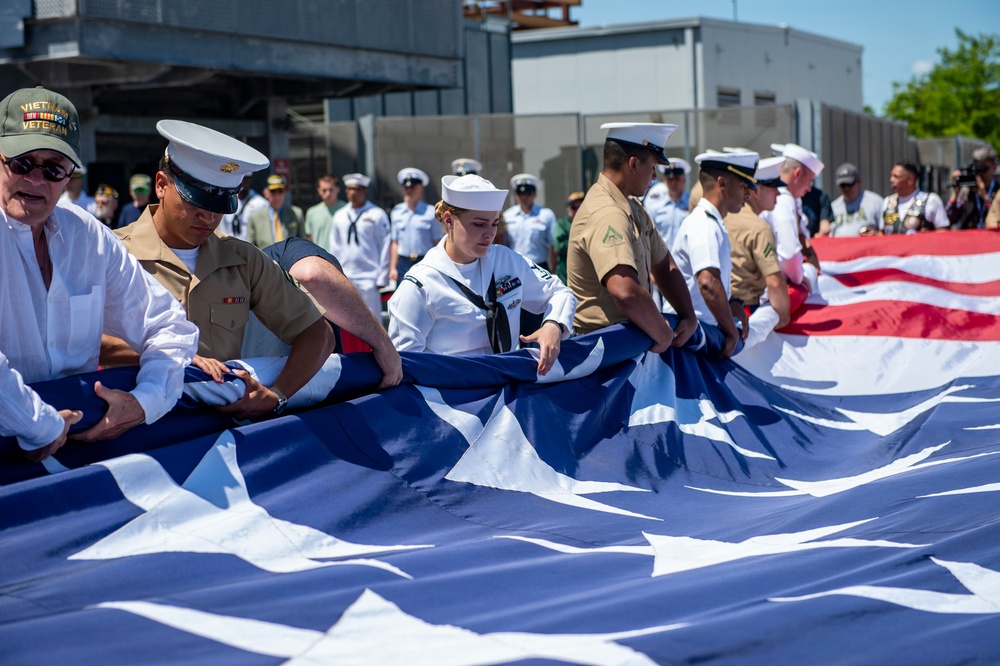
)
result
[(960, 95)]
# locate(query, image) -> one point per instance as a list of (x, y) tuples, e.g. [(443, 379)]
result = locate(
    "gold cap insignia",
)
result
[(229, 167)]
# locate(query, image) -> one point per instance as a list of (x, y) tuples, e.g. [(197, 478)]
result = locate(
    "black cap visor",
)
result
[(212, 198), (740, 172)]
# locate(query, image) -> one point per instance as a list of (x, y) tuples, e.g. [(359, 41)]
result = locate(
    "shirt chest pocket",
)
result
[(86, 318), (231, 317)]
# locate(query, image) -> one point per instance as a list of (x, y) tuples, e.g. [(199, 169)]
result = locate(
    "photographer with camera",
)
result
[(973, 189)]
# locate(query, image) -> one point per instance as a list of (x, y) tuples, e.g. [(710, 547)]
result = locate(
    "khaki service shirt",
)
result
[(609, 230), (232, 278), (754, 254)]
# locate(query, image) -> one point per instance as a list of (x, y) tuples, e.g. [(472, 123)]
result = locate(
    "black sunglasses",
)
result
[(22, 166)]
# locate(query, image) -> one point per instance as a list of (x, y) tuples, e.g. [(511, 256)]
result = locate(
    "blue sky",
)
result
[(897, 43)]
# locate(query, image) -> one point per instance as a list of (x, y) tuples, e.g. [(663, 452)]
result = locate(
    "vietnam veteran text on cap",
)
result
[(39, 119), (411, 176), (466, 165), (743, 165), (651, 135), (208, 166), (472, 192)]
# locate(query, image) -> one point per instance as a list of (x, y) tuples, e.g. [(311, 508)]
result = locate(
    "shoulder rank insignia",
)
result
[(612, 237)]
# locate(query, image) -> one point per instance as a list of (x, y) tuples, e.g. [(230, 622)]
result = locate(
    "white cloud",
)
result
[(922, 67)]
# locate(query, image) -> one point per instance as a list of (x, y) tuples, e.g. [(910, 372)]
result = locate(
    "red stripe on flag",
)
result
[(945, 243), (862, 278), (898, 319)]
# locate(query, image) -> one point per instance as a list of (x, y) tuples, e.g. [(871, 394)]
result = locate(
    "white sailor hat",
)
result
[(472, 192), (412, 176), (676, 164), (743, 165), (356, 180), (651, 135), (524, 182), (465, 165), (778, 149), (769, 171), (806, 158), (208, 166)]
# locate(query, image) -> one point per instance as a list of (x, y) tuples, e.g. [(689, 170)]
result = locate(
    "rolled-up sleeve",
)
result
[(141, 312)]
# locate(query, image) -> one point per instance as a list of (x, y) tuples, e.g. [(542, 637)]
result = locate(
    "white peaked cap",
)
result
[(651, 135), (743, 165), (412, 173), (209, 156), (769, 169), (465, 165), (356, 180), (472, 192), (675, 163)]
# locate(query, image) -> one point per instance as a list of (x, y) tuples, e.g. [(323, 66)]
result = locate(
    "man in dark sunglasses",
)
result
[(66, 279)]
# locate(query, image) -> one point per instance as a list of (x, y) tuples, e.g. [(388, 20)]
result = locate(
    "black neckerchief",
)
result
[(497, 324), (352, 230)]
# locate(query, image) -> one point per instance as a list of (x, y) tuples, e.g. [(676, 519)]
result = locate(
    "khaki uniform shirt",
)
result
[(231, 278), (609, 230), (754, 254)]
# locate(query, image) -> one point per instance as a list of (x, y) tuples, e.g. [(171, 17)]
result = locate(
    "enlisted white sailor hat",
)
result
[(651, 135), (472, 192), (208, 166), (769, 171), (676, 165), (356, 180), (524, 182), (803, 156), (412, 176), (744, 164), (466, 165)]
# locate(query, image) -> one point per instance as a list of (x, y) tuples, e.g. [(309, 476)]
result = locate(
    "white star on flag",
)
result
[(213, 513), (673, 554), (375, 631), (500, 456)]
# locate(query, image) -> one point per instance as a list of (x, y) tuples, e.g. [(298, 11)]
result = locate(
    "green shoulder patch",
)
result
[(769, 249), (612, 237)]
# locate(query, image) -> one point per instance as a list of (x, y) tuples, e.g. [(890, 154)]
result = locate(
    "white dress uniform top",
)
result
[(787, 219), (97, 286), (415, 231), (530, 233), (702, 242), (235, 224), (359, 238), (430, 312)]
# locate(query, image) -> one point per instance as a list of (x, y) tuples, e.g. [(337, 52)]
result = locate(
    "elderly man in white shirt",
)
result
[(66, 280)]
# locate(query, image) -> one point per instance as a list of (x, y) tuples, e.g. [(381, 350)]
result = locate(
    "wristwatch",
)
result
[(282, 400)]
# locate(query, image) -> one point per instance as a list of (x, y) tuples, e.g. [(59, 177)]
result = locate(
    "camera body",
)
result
[(967, 174)]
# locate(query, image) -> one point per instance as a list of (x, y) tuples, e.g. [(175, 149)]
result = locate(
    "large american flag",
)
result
[(830, 498)]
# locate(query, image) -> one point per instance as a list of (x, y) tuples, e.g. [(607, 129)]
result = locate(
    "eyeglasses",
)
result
[(22, 166)]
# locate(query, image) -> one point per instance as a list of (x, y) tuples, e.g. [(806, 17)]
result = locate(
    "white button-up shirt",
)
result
[(416, 231), (96, 287), (531, 233), (702, 242)]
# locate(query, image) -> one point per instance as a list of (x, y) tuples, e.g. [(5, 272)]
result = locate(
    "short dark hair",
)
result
[(909, 166), (328, 177), (164, 168), (617, 153)]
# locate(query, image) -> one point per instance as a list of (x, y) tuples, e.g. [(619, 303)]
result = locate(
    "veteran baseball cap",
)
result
[(276, 182), (39, 119), (847, 173), (208, 166), (140, 182)]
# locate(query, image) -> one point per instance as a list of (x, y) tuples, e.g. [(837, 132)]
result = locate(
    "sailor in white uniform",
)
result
[(530, 227), (415, 230), (466, 296), (359, 238)]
